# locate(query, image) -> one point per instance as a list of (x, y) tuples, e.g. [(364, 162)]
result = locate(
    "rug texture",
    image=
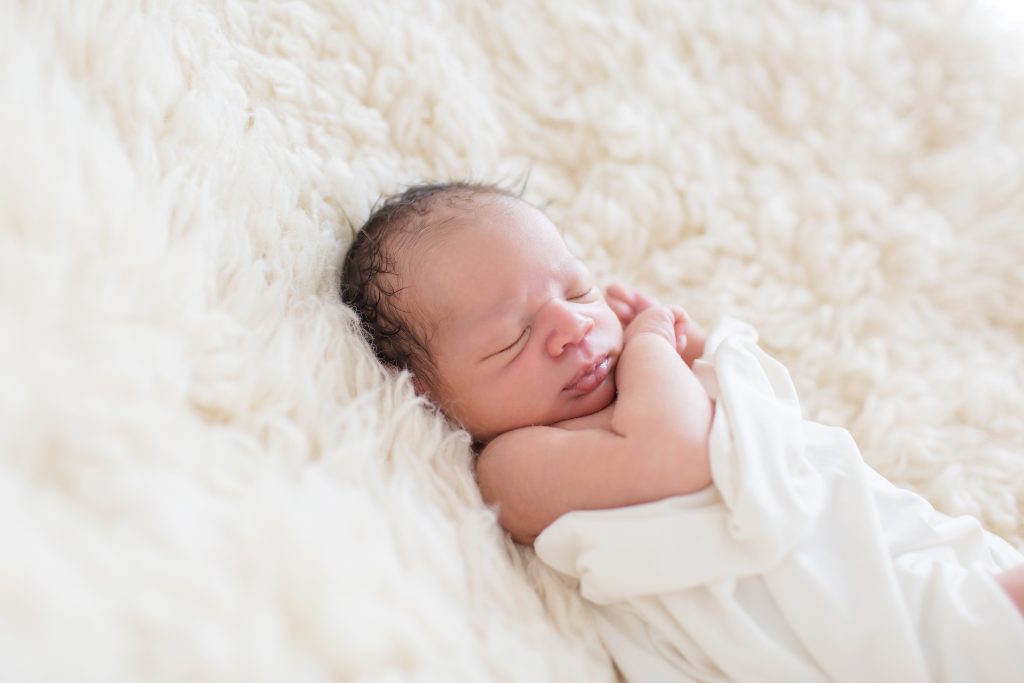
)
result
[(205, 476)]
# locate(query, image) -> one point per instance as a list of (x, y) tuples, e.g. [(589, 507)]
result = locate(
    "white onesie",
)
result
[(799, 563)]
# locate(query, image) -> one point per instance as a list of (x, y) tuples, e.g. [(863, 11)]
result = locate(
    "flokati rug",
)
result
[(205, 476)]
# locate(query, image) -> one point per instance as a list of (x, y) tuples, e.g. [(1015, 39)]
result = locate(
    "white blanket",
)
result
[(800, 563)]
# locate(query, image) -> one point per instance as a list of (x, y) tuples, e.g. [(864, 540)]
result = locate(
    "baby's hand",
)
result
[(668, 322), (627, 302)]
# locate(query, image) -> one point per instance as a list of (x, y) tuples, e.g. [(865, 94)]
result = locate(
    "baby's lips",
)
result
[(590, 377)]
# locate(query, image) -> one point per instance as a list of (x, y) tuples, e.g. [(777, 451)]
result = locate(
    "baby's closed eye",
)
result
[(521, 338), (587, 293)]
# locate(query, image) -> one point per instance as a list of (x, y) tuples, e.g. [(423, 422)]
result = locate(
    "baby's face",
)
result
[(522, 335)]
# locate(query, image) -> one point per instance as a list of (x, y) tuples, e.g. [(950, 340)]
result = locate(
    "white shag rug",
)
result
[(206, 477)]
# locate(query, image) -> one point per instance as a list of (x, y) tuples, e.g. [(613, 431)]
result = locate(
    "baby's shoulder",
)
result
[(518, 440), (535, 474)]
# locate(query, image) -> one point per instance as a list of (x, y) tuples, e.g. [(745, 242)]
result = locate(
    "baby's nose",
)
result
[(567, 328)]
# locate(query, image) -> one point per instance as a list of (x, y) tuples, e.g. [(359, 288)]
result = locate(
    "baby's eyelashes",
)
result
[(584, 295), (513, 345), (506, 350)]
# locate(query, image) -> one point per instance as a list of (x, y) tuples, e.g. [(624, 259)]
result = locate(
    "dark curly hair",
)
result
[(369, 281)]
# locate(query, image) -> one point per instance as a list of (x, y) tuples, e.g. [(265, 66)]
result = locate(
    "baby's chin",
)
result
[(565, 411), (592, 402)]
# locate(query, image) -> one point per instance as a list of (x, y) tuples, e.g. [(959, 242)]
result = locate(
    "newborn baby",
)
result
[(581, 401), (474, 291)]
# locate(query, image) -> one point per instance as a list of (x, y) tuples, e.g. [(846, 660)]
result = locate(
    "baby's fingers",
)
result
[(619, 291), (621, 299), (681, 326), (642, 301), (623, 311)]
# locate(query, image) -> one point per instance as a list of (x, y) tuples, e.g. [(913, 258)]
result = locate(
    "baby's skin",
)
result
[(582, 400), (648, 444)]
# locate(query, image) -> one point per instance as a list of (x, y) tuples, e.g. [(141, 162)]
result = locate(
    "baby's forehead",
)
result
[(462, 291), (466, 247)]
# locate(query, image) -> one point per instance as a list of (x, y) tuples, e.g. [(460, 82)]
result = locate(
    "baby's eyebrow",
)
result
[(486, 334), (478, 327)]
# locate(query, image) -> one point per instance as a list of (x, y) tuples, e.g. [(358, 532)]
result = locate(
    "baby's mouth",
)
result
[(591, 377)]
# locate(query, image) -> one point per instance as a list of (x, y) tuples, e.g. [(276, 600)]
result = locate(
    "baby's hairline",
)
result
[(375, 267)]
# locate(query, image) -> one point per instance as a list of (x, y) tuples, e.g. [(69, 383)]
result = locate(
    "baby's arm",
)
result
[(656, 447), (659, 396)]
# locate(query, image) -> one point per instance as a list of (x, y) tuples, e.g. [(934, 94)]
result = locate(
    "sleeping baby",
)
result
[(715, 533)]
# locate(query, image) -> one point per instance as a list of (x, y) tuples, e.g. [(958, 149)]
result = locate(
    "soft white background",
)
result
[(203, 473)]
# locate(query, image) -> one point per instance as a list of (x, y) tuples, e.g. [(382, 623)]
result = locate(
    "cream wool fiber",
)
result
[(204, 474)]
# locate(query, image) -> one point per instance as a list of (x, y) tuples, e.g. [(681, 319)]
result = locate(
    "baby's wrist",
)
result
[(656, 334)]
